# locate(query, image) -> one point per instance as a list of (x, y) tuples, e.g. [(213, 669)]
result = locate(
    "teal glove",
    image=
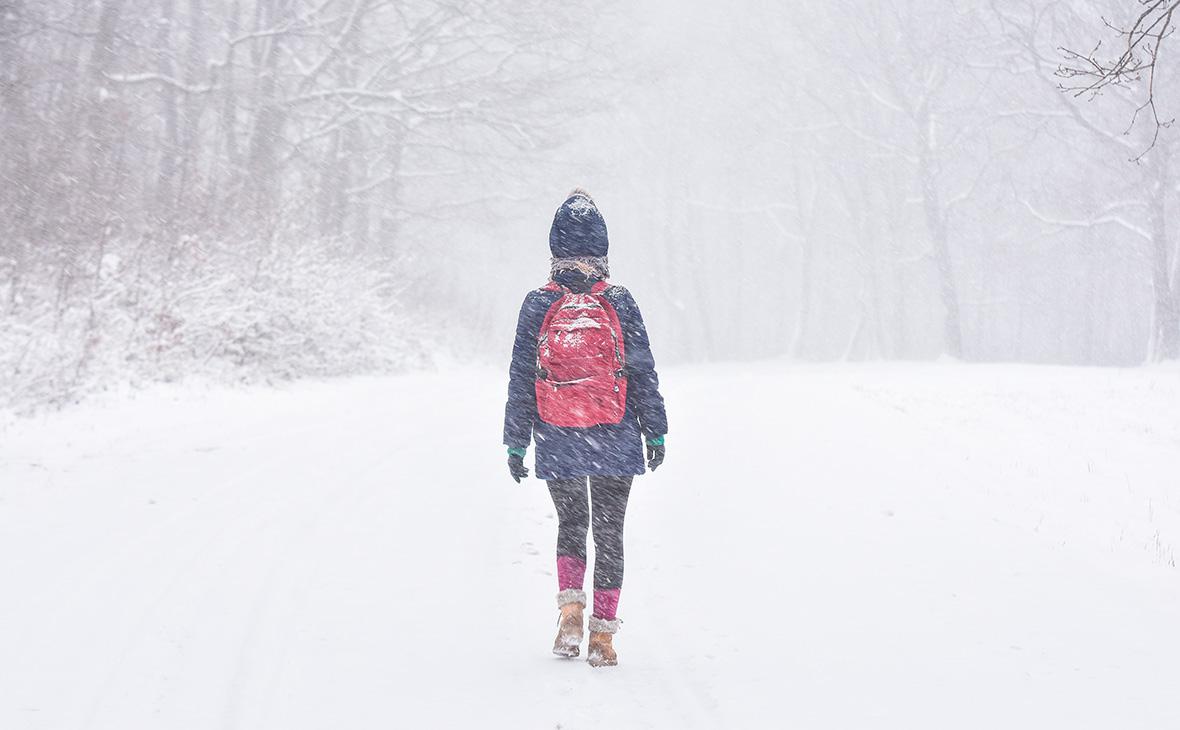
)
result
[(516, 465), (655, 452)]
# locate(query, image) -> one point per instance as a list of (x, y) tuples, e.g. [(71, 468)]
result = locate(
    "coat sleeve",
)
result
[(643, 384), (520, 413)]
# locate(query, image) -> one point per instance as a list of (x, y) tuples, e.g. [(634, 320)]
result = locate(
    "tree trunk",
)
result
[(101, 123), (332, 180), (1165, 334), (268, 125), (354, 206), (936, 227), (15, 162), (225, 182), (190, 151), (806, 274), (61, 197), (806, 195), (389, 231), (166, 192)]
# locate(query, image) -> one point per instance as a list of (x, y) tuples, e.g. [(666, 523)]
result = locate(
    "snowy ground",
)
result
[(827, 547)]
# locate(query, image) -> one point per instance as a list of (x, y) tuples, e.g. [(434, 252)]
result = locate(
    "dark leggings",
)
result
[(608, 495)]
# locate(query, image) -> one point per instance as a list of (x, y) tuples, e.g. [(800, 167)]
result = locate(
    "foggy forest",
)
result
[(277, 188)]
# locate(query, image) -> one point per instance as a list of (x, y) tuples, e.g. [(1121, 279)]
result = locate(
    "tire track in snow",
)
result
[(283, 572), (252, 517), (116, 571), (96, 565)]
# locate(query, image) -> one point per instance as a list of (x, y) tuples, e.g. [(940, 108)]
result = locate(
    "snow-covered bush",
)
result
[(230, 312)]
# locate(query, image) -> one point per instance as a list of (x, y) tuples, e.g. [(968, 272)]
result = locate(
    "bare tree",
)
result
[(1138, 47), (1136, 201), (904, 103)]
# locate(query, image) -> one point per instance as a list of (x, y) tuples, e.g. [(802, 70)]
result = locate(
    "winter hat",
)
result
[(578, 228)]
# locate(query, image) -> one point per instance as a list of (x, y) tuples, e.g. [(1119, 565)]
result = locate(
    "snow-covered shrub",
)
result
[(230, 312)]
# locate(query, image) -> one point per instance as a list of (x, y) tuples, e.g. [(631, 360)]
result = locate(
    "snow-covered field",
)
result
[(900, 546)]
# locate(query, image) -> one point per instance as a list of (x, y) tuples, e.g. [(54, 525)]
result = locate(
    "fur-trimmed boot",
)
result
[(601, 651), (569, 630)]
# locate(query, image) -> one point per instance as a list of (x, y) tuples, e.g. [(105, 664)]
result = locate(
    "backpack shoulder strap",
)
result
[(554, 286), (614, 290), (605, 291)]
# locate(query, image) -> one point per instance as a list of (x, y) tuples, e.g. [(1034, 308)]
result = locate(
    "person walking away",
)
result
[(583, 386)]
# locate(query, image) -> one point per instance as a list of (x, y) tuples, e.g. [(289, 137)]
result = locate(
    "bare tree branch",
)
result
[(1090, 73)]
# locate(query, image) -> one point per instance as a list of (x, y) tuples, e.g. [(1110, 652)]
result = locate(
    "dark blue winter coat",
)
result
[(605, 450)]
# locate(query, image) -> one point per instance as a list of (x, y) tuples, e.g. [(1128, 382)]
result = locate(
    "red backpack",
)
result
[(580, 360)]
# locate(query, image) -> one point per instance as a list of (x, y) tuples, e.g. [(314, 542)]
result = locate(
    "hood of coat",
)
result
[(578, 228)]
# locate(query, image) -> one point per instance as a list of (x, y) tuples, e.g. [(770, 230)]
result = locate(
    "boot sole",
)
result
[(567, 652), (603, 663)]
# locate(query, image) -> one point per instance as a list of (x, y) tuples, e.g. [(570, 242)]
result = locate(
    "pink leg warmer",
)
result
[(570, 572), (606, 603)]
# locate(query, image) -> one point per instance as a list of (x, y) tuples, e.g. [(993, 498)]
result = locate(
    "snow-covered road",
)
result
[(893, 546)]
